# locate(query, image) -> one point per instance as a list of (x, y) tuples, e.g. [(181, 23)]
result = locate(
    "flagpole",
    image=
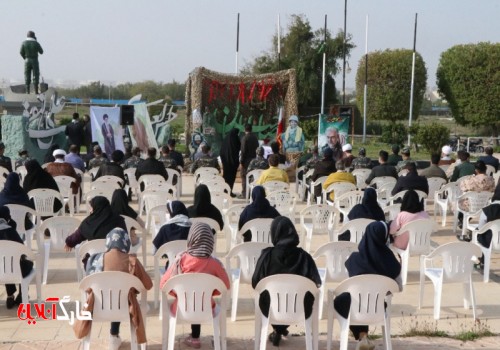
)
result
[(324, 73), (365, 93), (344, 52), (279, 43), (237, 41), (412, 78)]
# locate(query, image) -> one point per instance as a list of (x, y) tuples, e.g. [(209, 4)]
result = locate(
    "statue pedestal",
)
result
[(15, 137)]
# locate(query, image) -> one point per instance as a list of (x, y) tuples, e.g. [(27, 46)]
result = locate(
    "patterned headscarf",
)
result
[(118, 239), (200, 241)]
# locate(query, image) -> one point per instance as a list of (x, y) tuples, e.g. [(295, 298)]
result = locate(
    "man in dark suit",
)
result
[(112, 168), (151, 166), (411, 181), (179, 159), (74, 132), (324, 167), (488, 159), (383, 169)]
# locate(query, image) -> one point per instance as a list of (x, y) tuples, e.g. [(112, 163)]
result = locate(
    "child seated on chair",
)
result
[(8, 233), (117, 258), (284, 257), (197, 259), (373, 257)]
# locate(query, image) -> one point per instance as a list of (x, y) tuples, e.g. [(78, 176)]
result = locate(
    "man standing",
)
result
[(108, 134), (249, 145), (30, 48), (74, 132), (333, 142)]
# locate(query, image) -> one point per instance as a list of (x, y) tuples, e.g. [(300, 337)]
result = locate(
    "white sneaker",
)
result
[(365, 344), (114, 342)]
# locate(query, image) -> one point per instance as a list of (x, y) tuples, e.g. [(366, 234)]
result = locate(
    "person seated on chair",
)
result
[(341, 175), (384, 169), (179, 159), (13, 193), (434, 170), (117, 258), (488, 159), (150, 166), (395, 157), (98, 159), (4, 160), (275, 147), (74, 158), (197, 259), (361, 162), (488, 214), (348, 157), (285, 257), (205, 160), (373, 257), (259, 208), (259, 162), (273, 173), (37, 178), (120, 206), (406, 159), (60, 167), (114, 167), (8, 233), (445, 156), (462, 168), (324, 167), (411, 209), (134, 160), (203, 207), (411, 181), (168, 162), (23, 158), (176, 228), (367, 209), (101, 220)]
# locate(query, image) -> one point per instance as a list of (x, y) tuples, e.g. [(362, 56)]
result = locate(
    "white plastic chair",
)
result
[(104, 185), (260, 229), (92, 172), (147, 180), (254, 176), (171, 249), (221, 200), (162, 186), (357, 228), (422, 197), (218, 186), (419, 243), (214, 225), (140, 231), (59, 227), (445, 198), (22, 173), (18, 214), (10, 269), (496, 177), (152, 198), (490, 170), (44, 200), (107, 193), (111, 289), (64, 183), (384, 193), (194, 306), (456, 258), (204, 171), (4, 172), (392, 211), (304, 192), (379, 180), (318, 182), (339, 188), (284, 202), (346, 201), (286, 307), (273, 186), (435, 184), (335, 253), (246, 255), (299, 182), (157, 217), (361, 175), (88, 247), (231, 219), (477, 201), (109, 179), (132, 181), (317, 219), (175, 175), (494, 226), (368, 295)]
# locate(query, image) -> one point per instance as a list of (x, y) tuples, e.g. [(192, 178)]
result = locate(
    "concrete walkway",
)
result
[(53, 334)]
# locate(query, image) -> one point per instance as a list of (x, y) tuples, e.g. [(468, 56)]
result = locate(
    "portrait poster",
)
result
[(142, 134), (106, 128), (332, 121)]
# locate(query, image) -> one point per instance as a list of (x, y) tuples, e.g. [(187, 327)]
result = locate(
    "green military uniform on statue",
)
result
[(30, 49)]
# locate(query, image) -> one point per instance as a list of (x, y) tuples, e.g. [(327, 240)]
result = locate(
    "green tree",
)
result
[(432, 137), (389, 84), (468, 77), (302, 49)]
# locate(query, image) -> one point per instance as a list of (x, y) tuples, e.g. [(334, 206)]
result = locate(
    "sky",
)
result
[(117, 41)]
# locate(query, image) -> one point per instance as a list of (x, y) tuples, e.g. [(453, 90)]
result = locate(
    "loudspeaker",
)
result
[(127, 115)]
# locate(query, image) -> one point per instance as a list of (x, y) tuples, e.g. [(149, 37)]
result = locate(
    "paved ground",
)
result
[(16, 334)]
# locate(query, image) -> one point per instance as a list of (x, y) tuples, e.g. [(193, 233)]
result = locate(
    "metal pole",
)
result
[(412, 79), (324, 73), (279, 43), (237, 41), (344, 52), (365, 93)]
